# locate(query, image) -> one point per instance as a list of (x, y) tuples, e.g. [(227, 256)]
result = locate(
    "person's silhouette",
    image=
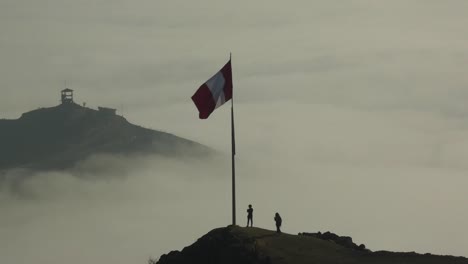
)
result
[(250, 216), (278, 222)]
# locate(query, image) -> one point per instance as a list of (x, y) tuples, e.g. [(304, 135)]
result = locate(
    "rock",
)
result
[(344, 241)]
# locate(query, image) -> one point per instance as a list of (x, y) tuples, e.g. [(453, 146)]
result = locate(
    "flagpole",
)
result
[(233, 153)]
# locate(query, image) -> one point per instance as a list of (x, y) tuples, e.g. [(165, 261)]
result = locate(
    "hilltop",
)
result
[(236, 245), (58, 137)]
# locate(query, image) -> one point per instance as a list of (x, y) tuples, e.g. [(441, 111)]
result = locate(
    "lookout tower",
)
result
[(67, 96)]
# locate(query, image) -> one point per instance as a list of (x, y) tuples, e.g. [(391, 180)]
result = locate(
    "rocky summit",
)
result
[(237, 245)]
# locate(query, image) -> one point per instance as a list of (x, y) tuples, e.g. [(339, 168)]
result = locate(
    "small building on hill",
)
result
[(107, 111)]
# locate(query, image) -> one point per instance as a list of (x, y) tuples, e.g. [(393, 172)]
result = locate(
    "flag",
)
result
[(214, 92)]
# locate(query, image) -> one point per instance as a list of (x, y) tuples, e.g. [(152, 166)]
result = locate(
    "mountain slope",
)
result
[(236, 245), (58, 137)]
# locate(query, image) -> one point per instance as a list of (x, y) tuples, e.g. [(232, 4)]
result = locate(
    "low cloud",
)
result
[(139, 206)]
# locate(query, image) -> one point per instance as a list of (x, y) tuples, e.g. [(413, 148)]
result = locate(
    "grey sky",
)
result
[(351, 117)]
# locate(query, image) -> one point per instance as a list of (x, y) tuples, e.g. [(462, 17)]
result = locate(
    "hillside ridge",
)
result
[(236, 245), (60, 136)]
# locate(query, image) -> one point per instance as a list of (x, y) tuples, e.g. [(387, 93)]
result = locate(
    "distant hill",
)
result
[(58, 137), (237, 245)]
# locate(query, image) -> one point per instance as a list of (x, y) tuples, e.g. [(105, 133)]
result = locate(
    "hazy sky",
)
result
[(351, 116)]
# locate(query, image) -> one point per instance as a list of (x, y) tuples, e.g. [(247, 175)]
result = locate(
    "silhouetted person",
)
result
[(278, 222), (250, 216)]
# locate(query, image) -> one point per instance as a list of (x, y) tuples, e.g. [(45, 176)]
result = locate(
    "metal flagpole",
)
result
[(233, 147)]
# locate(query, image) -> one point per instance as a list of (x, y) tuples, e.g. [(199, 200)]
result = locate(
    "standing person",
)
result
[(250, 216), (278, 222)]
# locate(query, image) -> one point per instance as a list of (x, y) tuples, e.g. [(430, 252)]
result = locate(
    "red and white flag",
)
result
[(214, 92)]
